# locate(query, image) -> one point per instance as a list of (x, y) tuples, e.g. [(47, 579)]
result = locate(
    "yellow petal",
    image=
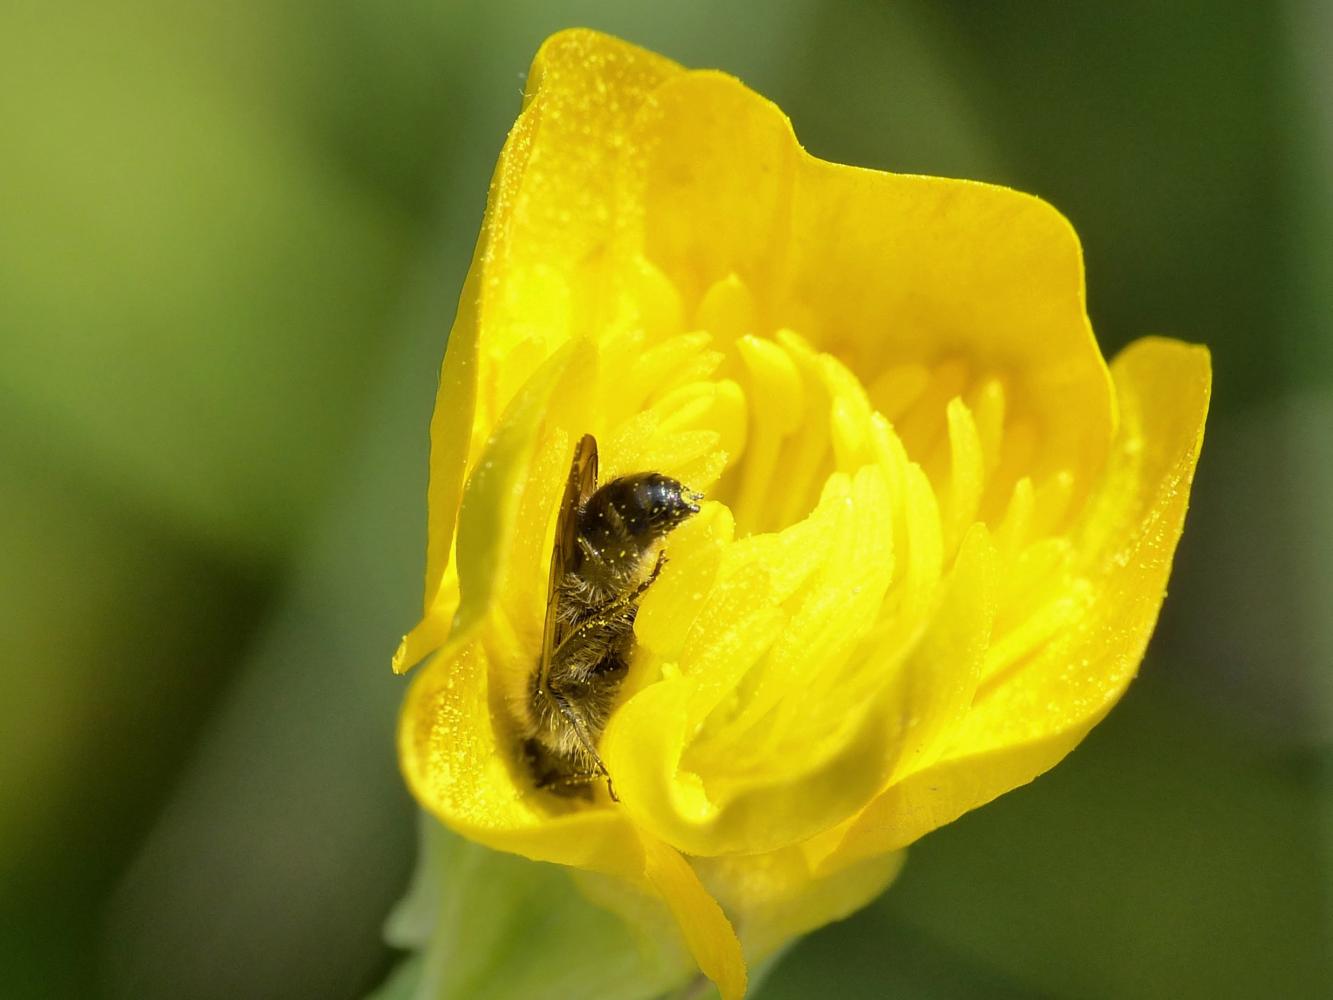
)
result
[(708, 934), (896, 272), (782, 897), (461, 769), (799, 752), (546, 231), (881, 270), (486, 516), (486, 512), (1023, 723), (714, 181)]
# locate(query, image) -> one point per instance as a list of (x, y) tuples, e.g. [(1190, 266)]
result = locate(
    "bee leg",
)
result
[(580, 728), (569, 785), (657, 568), (599, 618)]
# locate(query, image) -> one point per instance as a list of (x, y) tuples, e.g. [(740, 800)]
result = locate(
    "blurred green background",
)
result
[(231, 239)]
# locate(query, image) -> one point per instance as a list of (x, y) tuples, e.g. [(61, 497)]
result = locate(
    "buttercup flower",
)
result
[(936, 529)]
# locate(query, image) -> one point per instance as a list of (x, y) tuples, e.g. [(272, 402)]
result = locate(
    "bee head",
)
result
[(664, 501), (646, 506)]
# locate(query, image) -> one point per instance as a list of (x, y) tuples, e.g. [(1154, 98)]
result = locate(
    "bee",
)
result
[(608, 551)]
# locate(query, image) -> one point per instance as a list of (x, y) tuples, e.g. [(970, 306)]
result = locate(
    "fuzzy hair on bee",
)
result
[(608, 551)]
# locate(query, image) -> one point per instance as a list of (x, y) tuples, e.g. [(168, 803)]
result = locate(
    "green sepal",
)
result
[(483, 925)]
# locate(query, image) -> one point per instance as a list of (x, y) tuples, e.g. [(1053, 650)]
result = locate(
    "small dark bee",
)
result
[(608, 551)]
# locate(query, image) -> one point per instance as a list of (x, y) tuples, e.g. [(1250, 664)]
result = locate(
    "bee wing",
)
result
[(580, 485)]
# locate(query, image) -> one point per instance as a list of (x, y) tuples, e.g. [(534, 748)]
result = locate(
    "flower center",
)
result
[(794, 415), (847, 504)]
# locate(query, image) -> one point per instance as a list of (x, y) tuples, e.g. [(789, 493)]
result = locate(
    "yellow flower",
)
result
[(937, 530)]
